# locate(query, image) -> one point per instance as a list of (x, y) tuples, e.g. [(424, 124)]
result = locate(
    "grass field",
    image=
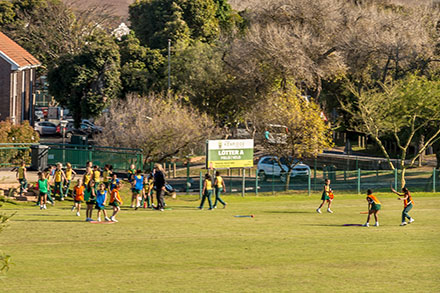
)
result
[(287, 247)]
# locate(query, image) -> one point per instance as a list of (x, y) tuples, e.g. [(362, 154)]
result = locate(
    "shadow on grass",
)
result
[(60, 221), (333, 225), (290, 212)]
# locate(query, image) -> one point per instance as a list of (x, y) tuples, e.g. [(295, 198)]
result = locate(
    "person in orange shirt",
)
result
[(78, 196), (374, 207), (115, 201), (407, 205)]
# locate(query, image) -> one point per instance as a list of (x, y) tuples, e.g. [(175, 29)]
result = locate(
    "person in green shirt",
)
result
[(43, 188)]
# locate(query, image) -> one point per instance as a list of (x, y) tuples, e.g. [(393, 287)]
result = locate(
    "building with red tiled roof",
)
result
[(17, 81)]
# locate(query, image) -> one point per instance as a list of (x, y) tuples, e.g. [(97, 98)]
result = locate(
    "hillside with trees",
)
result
[(225, 58)]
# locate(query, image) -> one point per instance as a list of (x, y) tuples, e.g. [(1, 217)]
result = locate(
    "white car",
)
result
[(268, 166)]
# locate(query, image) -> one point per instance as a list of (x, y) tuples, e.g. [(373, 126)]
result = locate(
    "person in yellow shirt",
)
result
[(115, 201), (219, 185), (22, 178), (147, 191), (87, 176), (58, 178), (207, 192), (326, 196), (407, 205), (96, 175), (70, 175), (131, 173), (374, 207), (106, 176)]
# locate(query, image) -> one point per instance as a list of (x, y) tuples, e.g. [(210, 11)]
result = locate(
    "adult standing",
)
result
[(159, 184)]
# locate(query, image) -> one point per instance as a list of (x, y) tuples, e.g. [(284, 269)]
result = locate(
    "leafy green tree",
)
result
[(403, 109), (199, 73), (7, 13), (86, 82), (156, 21), (142, 69)]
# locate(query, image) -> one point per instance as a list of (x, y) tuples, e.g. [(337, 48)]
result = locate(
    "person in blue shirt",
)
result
[(101, 197), (136, 188)]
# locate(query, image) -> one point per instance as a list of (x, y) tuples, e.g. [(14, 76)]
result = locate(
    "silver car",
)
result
[(45, 128)]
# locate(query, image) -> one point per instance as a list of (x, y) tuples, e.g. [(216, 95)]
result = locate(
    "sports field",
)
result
[(286, 247)]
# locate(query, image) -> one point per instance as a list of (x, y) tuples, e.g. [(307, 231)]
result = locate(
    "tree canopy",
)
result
[(85, 82)]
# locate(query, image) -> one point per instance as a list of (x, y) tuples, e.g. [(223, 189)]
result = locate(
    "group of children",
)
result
[(374, 204), (93, 188)]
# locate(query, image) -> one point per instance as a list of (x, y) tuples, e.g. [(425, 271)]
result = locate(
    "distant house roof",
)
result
[(15, 55)]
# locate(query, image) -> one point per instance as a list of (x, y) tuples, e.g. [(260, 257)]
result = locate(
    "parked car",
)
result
[(45, 128), (70, 130), (268, 166), (94, 128)]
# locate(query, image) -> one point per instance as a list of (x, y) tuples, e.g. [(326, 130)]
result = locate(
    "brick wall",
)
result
[(5, 89)]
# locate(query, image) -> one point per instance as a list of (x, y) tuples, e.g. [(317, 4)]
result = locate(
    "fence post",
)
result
[(309, 183), (314, 175), (243, 184), (359, 181), (256, 184), (201, 185), (395, 178), (187, 177), (433, 179), (273, 179)]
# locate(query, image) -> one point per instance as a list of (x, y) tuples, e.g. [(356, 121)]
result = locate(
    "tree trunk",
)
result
[(286, 187)]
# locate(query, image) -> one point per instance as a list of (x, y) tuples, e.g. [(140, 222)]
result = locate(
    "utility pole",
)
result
[(169, 65)]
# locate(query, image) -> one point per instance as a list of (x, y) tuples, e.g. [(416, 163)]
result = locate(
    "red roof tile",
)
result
[(17, 55)]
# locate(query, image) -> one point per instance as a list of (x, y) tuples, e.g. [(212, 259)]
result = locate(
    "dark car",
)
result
[(70, 130)]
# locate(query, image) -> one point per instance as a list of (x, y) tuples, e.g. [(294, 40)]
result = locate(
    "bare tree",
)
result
[(162, 128)]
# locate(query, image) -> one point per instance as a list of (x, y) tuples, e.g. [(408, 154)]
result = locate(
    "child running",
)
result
[(137, 186), (43, 188), (407, 205), (220, 187), (70, 175), (207, 192), (78, 193), (373, 208), (90, 198), (115, 201), (59, 177), (101, 197), (326, 197), (22, 178)]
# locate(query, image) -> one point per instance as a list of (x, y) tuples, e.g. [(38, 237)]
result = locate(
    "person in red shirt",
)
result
[(78, 193)]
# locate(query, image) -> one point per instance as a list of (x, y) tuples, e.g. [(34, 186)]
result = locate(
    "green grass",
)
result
[(287, 247)]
